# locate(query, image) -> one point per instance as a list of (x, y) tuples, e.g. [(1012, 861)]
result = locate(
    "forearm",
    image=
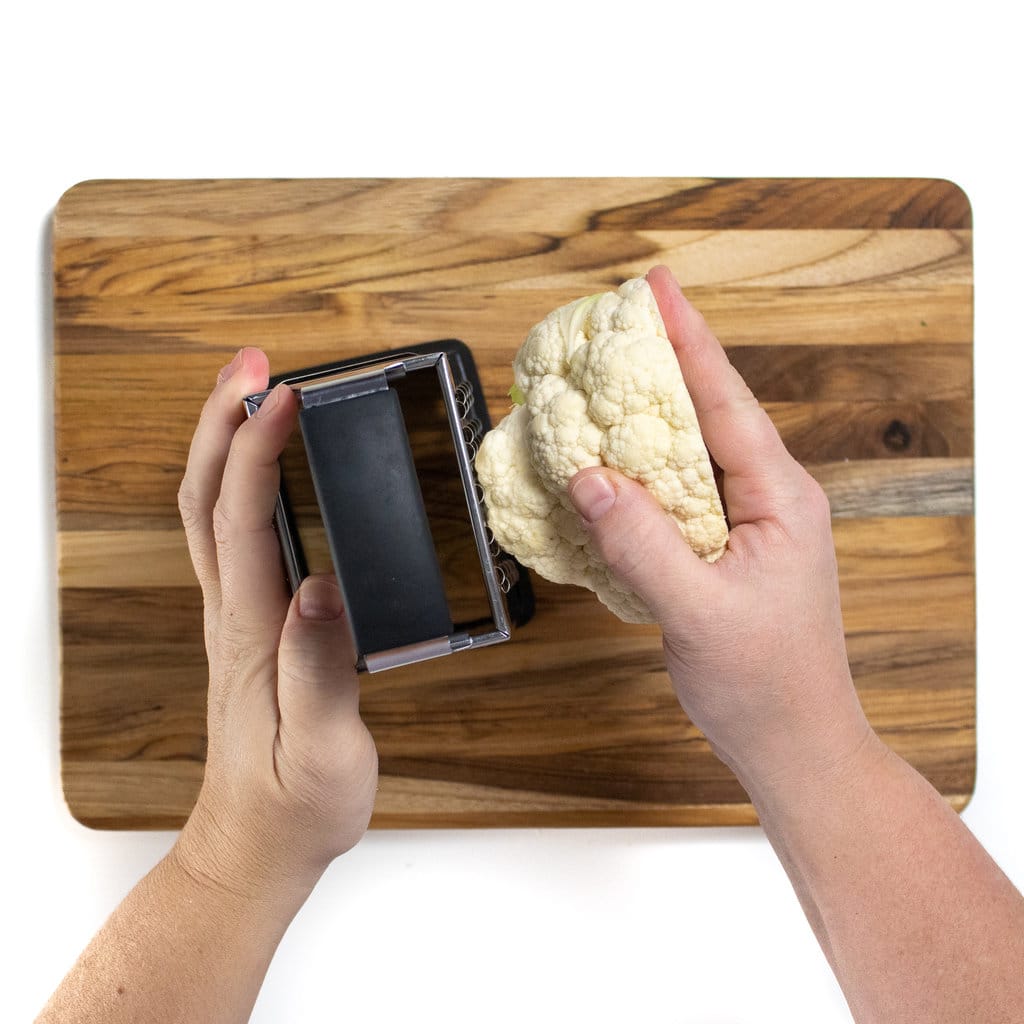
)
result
[(918, 922), (178, 948)]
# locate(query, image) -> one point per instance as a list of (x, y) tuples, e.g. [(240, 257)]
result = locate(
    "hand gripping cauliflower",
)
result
[(598, 384)]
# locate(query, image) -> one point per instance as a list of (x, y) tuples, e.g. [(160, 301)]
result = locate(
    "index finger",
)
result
[(254, 591), (739, 434), (222, 415)]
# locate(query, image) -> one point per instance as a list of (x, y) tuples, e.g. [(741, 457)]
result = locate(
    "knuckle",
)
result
[(190, 508), (302, 667), (625, 557), (239, 640), (764, 431), (629, 552), (218, 706), (815, 499), (223, 523), (236, 659), (314, 661)]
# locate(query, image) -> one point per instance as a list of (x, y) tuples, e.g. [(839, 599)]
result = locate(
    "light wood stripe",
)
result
[(168, 208), (242, 269), (898, 487), (298, 329)]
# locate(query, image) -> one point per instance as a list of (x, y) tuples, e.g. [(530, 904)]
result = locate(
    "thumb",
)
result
[(639, 541), (317, 683)]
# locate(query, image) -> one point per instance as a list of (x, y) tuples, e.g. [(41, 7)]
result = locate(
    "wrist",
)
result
[(818, 734), (231, 863), (818, 767)]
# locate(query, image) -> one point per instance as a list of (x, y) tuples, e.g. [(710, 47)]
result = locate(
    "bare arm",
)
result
[(916, 919), (178, 948), (291, 770)]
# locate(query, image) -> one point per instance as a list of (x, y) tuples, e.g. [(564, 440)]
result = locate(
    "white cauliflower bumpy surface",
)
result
[(600, 385)]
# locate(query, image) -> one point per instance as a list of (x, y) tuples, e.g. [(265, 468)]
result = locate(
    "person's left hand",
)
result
[(291, 769)]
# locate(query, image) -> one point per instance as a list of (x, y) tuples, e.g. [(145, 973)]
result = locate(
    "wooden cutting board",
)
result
[(847, 305)]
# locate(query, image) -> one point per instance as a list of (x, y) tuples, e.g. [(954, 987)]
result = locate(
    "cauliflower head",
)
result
[(600, 386)]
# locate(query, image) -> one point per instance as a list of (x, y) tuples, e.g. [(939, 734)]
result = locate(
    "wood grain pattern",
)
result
[(846, 304)]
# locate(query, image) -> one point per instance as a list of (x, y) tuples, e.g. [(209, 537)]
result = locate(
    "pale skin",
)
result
[(917, 921), (291, 770)]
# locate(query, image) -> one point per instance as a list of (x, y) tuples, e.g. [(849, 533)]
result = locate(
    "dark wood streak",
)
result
[(808, 202)]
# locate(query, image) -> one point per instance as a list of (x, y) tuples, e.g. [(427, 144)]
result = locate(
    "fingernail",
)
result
[(593, 495), (319, 600), (228, 372)]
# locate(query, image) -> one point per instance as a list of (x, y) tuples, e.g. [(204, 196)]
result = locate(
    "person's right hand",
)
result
[(754, 642)]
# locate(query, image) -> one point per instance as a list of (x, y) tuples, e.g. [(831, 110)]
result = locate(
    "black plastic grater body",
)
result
[(377, 528)]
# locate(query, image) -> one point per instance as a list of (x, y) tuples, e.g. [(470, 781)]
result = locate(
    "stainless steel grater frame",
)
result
[(372, 508)]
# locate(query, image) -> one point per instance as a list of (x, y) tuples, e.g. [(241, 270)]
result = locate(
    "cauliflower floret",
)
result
[(601, 386)]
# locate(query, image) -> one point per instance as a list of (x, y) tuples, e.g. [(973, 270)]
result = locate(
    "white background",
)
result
[(638, 925)]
